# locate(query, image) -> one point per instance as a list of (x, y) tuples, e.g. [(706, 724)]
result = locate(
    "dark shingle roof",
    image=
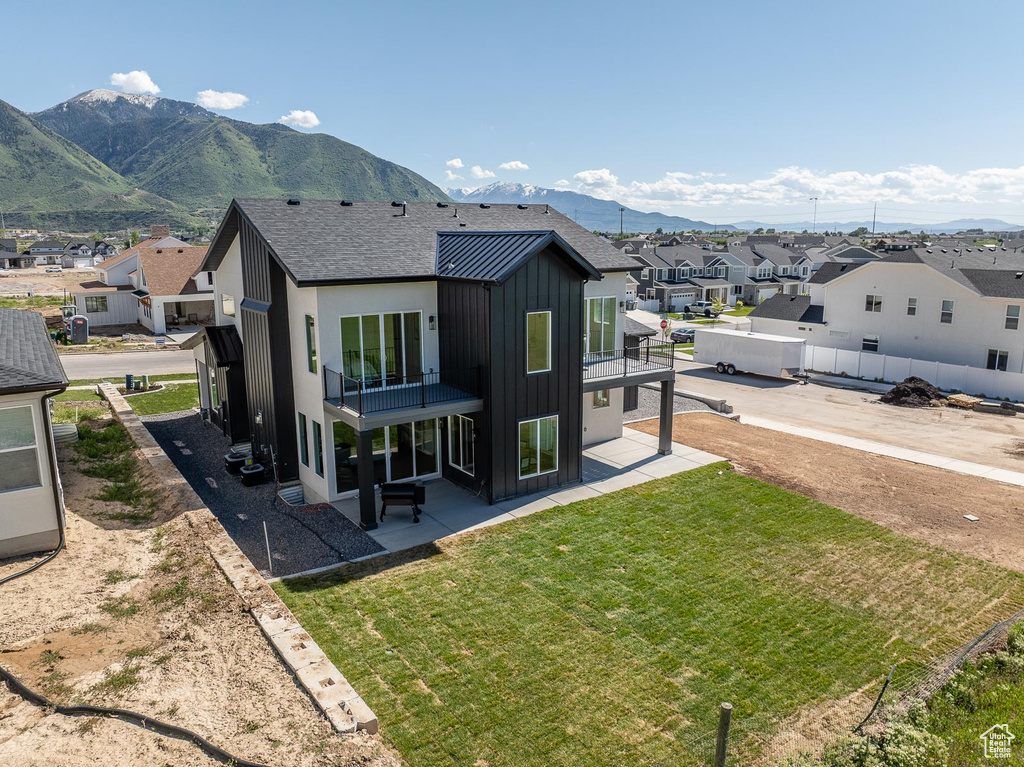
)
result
[(830, 270), (631, 327), (987, 271), (8, 245), (792, 308), (494, 256), (322, 241), (47, 245), (28, 360)]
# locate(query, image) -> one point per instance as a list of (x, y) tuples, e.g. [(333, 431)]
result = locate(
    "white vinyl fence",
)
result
[(882, 367)]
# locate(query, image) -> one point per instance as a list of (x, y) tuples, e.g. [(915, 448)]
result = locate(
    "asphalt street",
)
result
[(90, 365)]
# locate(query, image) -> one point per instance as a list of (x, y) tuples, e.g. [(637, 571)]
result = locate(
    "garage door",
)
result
[(679, 300)]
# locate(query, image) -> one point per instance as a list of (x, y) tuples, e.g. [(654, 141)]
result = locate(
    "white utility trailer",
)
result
[(730, 351)]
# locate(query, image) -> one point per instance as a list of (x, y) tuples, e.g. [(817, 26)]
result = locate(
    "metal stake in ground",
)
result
[(266, 539), (724, 718)]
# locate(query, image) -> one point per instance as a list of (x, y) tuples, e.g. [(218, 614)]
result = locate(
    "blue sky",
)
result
[(722, 110)]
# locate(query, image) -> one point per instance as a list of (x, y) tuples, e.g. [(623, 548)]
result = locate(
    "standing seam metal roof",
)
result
[(493, 256)]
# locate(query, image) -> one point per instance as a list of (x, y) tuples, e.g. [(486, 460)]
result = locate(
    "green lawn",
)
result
[(120, 379), (68, 413), (29, 302), (607, 632), (170, 399), (742, 311), (77, 395)]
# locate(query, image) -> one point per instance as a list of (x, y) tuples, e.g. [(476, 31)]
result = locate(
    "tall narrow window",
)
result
[(997, 359), (460, 443), (538, 342), (538, 447), (911, 307), (311, 343), (19, 460), (1012, 317), (303, 440), (946, 316), (872, 303), (601, 324), (227, 305), (318, 448)]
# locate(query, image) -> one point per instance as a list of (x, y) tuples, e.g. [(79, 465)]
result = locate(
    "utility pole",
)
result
[(621, 211), (814, 226), (873, 216)]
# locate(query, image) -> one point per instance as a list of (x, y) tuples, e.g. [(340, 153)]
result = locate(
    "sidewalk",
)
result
[(879, 448)]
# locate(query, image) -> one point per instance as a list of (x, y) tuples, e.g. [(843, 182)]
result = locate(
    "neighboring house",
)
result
[(31, 505), (357, 343), (46, 252), (961, 307), (632, 246), (676, 276), (77, 255), (10, 258), (102, 249), (156, 283)]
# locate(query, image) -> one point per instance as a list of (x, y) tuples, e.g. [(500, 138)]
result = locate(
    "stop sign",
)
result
[(664, 324)]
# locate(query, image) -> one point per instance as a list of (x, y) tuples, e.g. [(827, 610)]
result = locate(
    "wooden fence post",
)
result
[(724, 718)]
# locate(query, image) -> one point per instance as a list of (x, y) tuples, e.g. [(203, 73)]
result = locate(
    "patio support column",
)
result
[(364, 477), (665, 421)]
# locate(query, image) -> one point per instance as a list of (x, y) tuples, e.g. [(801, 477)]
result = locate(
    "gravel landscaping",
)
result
[(301, 538), (650, 406)]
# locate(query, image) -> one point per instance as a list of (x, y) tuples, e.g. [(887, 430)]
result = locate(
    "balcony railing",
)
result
[(621, 363), (374, 395)]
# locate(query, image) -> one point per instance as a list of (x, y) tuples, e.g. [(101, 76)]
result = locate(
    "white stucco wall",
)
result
[(602, 424), (228, 280), (32, 511)]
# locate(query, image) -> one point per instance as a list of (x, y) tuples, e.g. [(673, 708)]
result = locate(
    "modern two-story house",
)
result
[(363, 342)]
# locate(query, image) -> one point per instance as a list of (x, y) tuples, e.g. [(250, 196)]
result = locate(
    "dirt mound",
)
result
[(912, 392)]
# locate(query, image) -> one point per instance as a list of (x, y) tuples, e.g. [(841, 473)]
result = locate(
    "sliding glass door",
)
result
[(401, 452), (601, 324), (382, 350)]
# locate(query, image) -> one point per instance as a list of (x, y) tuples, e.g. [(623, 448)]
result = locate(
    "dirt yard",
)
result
[(135, 614), (37, 280), (920, 501)]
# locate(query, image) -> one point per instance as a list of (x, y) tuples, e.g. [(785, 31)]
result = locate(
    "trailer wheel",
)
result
[(720, 368), (730, 369)]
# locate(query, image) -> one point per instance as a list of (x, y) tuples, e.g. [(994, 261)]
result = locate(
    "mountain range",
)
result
[(589, 212), (105, 159)]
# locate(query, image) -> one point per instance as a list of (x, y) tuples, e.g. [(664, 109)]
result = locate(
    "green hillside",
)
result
[(48, 180)]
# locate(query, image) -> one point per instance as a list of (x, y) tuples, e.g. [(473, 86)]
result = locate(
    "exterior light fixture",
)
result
[(432, 322)]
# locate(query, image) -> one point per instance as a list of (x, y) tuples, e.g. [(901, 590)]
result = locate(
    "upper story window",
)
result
[(227, 305), (1012, 317), (382, 349), (720, 271), (645, 274), (872, 303), (663, 274), (764, 272), (538, 342), (911, 307), (946, 315), (783, 270), (311, 343), (601, 324)]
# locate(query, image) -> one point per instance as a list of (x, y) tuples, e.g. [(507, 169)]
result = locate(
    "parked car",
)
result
[(53, 269), (707, 308), (682, 336)]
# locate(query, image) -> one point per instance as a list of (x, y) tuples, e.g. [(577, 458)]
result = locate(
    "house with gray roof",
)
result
[(361, 343), (31, 506)]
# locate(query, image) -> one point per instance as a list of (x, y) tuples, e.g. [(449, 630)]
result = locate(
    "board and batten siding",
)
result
[(267, 350)]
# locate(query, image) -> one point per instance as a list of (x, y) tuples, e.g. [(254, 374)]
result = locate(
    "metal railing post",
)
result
[(359, 397), (423, 391)]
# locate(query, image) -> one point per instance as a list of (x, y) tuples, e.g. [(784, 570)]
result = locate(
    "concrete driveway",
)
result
[(116, 364), (968, 436)]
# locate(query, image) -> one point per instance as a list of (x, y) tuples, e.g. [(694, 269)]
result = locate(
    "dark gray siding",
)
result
[(267, 349)]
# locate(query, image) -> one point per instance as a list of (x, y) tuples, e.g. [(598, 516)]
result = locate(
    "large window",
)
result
[(318, 448), (227, 305), (946, 316), (911, 307), (19, 459), (310, 343), (538, 342), (997, 359), (538, 447), (872, 303), (303, 440), (1012, 317), (601, 324), (95, 304), (382, 349), (460, 443)]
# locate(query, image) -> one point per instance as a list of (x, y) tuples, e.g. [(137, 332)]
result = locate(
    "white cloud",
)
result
[(514, 165), (792, 186), (221, 99), (455, 163), (136, 81), (562, 183), (449, 176), (477, 172), (300, 118)]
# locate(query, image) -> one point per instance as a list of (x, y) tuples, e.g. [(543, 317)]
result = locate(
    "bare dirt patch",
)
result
[(135, 614), (920, 501)]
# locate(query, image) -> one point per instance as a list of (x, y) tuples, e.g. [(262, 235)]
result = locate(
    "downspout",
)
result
[(58, 497)]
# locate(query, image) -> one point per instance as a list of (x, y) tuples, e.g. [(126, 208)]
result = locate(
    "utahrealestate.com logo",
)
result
[(997, 742)]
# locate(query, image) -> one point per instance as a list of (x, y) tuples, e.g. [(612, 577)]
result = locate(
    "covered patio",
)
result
[(451, 509)]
